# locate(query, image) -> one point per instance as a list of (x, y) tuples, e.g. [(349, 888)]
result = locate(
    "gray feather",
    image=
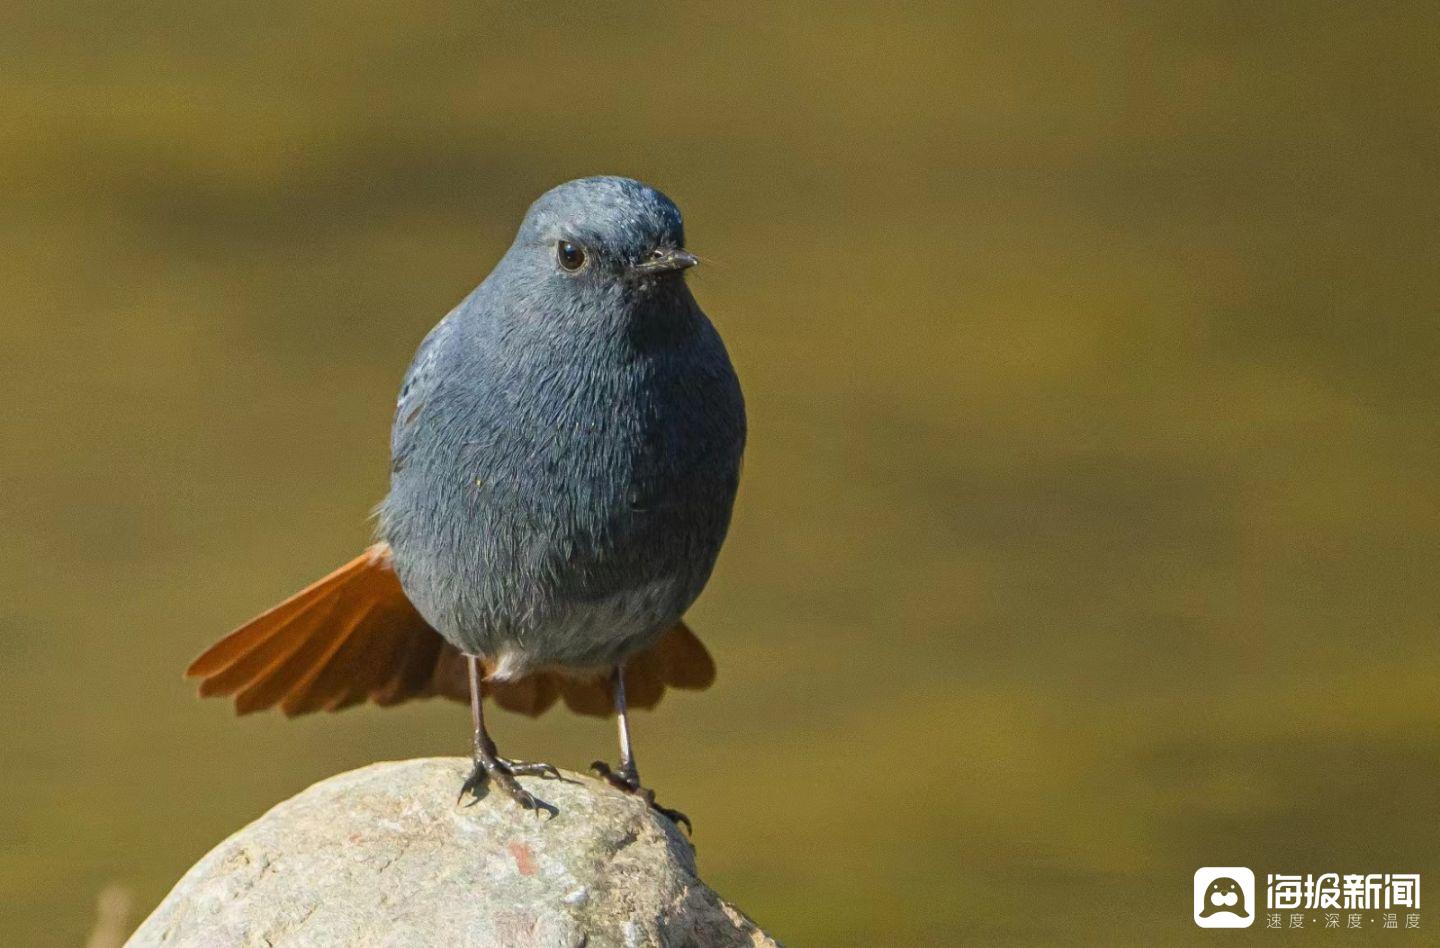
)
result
[(567, 446)]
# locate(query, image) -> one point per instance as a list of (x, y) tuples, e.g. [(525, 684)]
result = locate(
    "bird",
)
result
[(565, 454)]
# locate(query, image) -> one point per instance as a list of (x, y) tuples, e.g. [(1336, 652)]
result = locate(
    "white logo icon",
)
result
[(1224, 897)]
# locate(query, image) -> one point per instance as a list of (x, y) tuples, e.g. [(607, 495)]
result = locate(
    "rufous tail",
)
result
[(354, 636)]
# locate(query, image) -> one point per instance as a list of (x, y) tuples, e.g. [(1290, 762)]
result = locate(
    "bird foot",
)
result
[(626, 780), (502, 773)]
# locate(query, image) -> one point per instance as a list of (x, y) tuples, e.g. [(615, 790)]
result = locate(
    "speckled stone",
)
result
[(383, 856)]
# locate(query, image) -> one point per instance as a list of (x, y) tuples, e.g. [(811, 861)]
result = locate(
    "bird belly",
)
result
[(589, 636), (569, 525), (560, 572)]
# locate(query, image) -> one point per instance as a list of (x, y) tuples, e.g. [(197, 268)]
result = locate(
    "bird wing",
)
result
[(354, 636)]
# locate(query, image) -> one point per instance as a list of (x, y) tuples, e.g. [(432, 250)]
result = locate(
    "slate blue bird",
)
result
[(565, 455)]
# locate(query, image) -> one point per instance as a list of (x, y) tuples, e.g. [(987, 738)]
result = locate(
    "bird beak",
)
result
[(667, 261)]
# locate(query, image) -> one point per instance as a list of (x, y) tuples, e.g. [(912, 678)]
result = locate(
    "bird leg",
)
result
[(627, 778), (490, 767)]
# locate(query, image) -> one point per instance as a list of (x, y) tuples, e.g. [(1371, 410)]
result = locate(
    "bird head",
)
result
[(598, 235)]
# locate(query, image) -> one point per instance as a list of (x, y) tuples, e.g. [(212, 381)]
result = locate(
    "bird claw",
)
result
[(502, 773), (525, 768), (628, 781)]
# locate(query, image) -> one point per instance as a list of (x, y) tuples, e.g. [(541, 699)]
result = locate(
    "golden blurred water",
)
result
[(1090, 524)]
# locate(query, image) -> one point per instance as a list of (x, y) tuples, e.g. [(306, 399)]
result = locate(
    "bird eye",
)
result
[(571, 256)]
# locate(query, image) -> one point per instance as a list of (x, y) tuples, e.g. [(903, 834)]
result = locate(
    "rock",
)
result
[(384, 856)]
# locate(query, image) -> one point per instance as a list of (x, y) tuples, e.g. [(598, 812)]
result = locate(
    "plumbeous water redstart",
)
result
[(564, 459)]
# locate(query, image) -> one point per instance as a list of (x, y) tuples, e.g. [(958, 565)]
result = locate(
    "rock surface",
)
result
[(383, 856)]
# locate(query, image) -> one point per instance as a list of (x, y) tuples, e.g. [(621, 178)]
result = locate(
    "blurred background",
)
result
[(1090, 524)]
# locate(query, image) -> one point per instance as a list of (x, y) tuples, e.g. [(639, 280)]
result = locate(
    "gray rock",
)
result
[(383, 856)]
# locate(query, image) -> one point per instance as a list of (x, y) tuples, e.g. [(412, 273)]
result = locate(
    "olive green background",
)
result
[(1090, 524)]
